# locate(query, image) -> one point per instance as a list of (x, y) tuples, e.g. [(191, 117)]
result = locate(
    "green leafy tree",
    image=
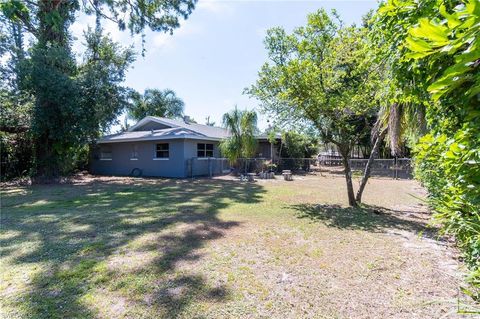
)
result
[(16, 104), (442, 47), (155, 102), (402, 117), (99, 79), (61, 120), (297, 145), (322, 74), (242, 126)]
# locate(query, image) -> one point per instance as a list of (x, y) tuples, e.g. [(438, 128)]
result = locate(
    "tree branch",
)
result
[(27, 24), (13, 129)]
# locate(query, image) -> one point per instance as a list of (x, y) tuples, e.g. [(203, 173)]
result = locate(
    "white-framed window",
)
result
[(134, 154), (105, 153), (204, 150), (162, 151)]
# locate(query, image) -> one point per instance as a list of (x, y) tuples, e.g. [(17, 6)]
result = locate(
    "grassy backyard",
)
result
[(152, 248)]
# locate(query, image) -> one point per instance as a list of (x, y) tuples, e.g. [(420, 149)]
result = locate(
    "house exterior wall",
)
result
[(264, 150), (121, 163), (198, 166), (182, 162)]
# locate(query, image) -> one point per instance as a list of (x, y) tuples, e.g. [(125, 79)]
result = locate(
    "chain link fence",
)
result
[(394, 168), (207, 166), (397, 168)]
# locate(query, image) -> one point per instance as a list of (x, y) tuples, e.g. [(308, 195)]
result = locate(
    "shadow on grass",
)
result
[(73, 230), (366, 218)]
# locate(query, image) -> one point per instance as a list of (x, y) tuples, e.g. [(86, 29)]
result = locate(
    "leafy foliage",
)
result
[(242, 143), (155, 102), (443, 45), (16, 105), (297, 145), (321, 73), (73, 102), (15, 140)]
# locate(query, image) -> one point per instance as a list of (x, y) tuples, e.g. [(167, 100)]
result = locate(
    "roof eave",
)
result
[(147, 119), (159, 138)]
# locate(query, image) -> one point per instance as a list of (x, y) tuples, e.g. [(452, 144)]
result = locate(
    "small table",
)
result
[(287, 175), (251, 177)]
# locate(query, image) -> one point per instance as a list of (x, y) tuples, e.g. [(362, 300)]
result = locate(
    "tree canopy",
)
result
[(436, 49), (155, 102), (298, 145), (73, 102), (242, 125), (322, 74)]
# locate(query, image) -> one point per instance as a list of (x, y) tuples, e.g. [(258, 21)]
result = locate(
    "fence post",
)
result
[(395, 166), (209, 163), (191, 168)]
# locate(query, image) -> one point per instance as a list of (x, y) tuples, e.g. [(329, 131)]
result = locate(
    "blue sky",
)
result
[(218, 50)]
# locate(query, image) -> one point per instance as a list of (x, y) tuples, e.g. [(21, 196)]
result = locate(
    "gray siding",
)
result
[(199, 167), (121, 164), (178, 165)]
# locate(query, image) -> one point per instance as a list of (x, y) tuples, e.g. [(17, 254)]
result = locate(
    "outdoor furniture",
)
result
[(287, 175), (251, 177), (267, 175)]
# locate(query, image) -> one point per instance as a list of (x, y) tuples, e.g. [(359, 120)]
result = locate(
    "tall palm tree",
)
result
[(155, 102), (402, 122), (396, 122), (242, 126)]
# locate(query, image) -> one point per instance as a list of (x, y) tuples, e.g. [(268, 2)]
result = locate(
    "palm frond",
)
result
[(242, 126)]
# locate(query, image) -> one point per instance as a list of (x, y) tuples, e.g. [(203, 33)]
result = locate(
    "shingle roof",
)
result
[(179, 129), (210, 131)]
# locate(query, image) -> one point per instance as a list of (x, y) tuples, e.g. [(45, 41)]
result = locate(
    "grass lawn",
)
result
[(152, 248)]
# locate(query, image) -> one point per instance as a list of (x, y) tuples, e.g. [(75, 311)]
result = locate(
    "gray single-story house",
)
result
[(163, 147)]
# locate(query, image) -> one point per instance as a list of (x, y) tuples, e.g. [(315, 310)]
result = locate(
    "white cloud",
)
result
[(215, 6), (155, 40), (116, 35), (161, 40), (81, 24), (167, 40)]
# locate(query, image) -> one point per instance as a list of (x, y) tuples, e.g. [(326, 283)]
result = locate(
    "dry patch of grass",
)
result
[(150, 248)]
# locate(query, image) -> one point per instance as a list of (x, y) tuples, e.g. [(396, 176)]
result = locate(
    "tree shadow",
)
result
[(72, 230), (367, 218)]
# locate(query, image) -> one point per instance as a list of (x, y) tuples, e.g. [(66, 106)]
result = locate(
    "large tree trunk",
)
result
[(46, 164), (345, 152), (394, 128), (52, 61), (368, 167)]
